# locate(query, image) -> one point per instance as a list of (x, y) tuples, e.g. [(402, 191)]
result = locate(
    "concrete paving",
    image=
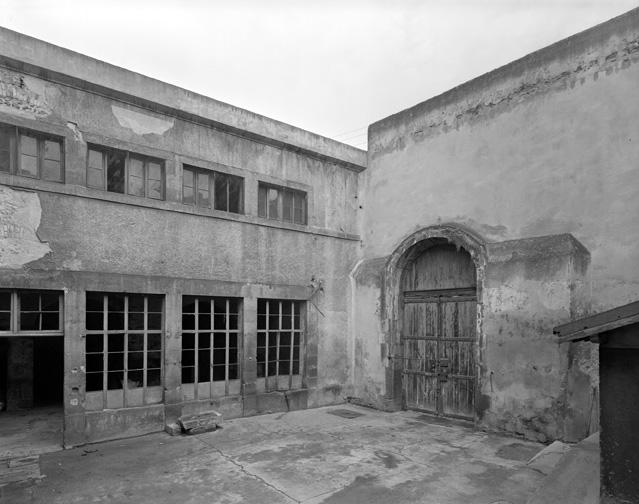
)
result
[(311, 456)]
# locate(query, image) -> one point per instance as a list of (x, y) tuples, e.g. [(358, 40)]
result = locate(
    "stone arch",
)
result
[(407, 251)]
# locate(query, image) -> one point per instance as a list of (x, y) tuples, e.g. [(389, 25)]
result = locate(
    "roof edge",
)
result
[(574, 44)]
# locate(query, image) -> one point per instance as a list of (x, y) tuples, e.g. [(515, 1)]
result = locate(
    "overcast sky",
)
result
[(328, 66)]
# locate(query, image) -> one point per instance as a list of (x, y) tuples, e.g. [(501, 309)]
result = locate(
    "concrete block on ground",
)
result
[(174, 429), (200, 422)]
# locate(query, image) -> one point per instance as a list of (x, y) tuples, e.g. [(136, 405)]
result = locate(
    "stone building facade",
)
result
[(163, 253)]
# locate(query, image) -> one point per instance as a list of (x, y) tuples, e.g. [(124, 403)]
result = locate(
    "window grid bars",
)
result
[(14, 324), (125, 331)]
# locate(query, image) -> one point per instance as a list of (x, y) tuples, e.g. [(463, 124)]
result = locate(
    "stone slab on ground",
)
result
[(575, 479), (546, 460), (307, 456)]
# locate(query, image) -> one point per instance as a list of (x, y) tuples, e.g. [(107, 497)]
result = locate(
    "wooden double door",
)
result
[(438, 336)]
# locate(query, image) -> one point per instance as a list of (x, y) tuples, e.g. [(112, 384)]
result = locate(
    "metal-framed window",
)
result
[(27, 312), (211, 346), (280, 338), (120, 171), (281, 203), (123, 349), (31, 154), (212, 189)]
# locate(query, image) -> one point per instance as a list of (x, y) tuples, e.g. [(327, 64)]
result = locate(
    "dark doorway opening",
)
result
[(48, 371)]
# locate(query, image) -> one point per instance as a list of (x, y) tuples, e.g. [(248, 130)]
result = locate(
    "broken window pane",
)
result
[(115, 161), (221, 191), (235, 194)]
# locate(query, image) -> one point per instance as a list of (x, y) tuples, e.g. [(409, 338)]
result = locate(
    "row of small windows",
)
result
[(41, 156)]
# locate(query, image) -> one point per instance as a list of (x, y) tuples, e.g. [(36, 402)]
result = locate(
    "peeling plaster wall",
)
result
[(68, 237), (20, 214), (546, 145)]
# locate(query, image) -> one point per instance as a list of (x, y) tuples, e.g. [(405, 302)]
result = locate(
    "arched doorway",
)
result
[(437, 325)]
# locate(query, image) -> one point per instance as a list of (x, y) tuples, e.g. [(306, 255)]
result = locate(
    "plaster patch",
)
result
[(20, 214), (505, 298), (140, 123), (21, 95)]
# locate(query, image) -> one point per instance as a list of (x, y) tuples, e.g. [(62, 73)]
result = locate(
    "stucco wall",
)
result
[(69, 237), (543, 146)]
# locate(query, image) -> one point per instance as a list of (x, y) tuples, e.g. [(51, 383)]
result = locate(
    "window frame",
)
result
[(128, 156), (124, 396), (213, 176), (15, 151), (196, 389), (264, 209), (279, 381), (15, 312)]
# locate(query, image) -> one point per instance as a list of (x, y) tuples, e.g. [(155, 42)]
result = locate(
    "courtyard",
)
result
[(336, 454)]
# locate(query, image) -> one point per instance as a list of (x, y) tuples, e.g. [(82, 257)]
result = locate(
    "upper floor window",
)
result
[(281, 203), (121, 171), (31, 154), (211, 189)]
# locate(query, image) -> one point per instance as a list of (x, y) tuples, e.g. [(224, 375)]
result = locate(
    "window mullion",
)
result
[(105, 348), (279, 333)]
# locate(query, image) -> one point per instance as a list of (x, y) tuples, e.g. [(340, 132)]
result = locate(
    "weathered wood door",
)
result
[(439, 332)]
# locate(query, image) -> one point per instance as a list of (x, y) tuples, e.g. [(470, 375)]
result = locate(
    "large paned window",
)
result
[(280, 338), (31, 154), (122, 172), (211, 189), (123, 349), (211, 345), (281, 203), (29, 311)]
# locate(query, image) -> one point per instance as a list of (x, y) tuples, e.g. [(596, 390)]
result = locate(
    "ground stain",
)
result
[(517, 451), (390, 461)]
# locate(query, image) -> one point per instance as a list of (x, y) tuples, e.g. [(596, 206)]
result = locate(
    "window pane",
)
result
[(29, 321), (155, 181), (28, 146), (5, 301), (5, 321), (115, 343), (219, 373), (299, 208), (273, 197), (115, 361), (116, 302), (136, 177), (95, 321), (94, 342), (95, 362), (287, 203), (261, 201), (114, 380), (115, 171), (115, 321), (153, 378), (235, 194), (136, 342), (188, 375), (154, 304), (136, 321), (203, 190), (50, 321), (95, 301), (154, 341), (135, 379), (188, 187), (52, 150), (204, 366), (28, 167), (29, 301), (94, 382), (52, 170), (221, 188), (155, 321), (6, 138), (154, 360), (50, 301), (135, 360)]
